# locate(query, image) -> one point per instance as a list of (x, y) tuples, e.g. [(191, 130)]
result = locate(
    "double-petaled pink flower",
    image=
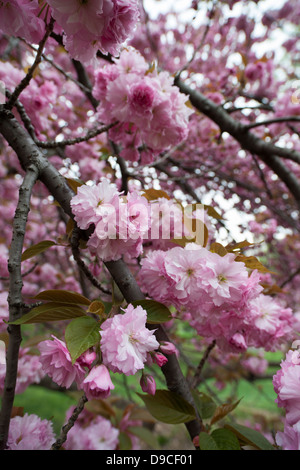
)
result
[(125, 341)]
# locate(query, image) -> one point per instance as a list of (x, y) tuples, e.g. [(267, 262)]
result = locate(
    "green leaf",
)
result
[(248, 436), (63, 296), (107, 307), (225, 439), (124, 441), (169, 407), (145, 435), (206, 442), (156, 312), (37, 249), (204, 403), (51, 311), (80, 335)]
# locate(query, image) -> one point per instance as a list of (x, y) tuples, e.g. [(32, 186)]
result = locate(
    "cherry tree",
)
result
[(129, 136)]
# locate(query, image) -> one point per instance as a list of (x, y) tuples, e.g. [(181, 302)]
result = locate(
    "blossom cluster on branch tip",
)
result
[(126, 346), (124, 223), (86, 27), (152, 113), (20, 18), (218, 297), (95, 25)]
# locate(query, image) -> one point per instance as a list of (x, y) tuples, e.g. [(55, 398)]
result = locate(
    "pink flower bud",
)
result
[(87, 358), (159, 359), (168, 348), (98, 383), (148, 384), (238, 341)]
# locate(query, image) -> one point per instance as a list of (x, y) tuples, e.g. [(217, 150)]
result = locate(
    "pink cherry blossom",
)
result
[(270, 323), (121, 223), (91, 433), (91, 202), (125, 341), (289, 438), (73, 14), (56, 362), (146, 100), (19, 18), (29, 370), (286, 384), (152, 276), (122, 22), (130, 61), (141, 97), (29, 432), (95, 25), (98, 383)]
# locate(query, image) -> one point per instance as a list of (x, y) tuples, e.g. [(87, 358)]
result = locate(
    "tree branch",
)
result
[(273, 121), (266, 151), (15, 301), (76, 140)]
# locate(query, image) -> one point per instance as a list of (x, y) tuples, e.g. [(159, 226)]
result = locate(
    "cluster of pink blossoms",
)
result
[(86, 26), (91, 433), (119, 229), (57, 364), (151, 112), (95, 25), (29, 369), (124, 223), (29, 432), (126, 346), (20, 18), (217, 296), (286, 384)]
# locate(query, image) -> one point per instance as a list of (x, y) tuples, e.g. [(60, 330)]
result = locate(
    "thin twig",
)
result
[(262, 177), (202, 41), (26, 80), (291, 277), (273, 121), (67, 75), (81, 264), (197, 377), (76, 140), (66, 428)]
